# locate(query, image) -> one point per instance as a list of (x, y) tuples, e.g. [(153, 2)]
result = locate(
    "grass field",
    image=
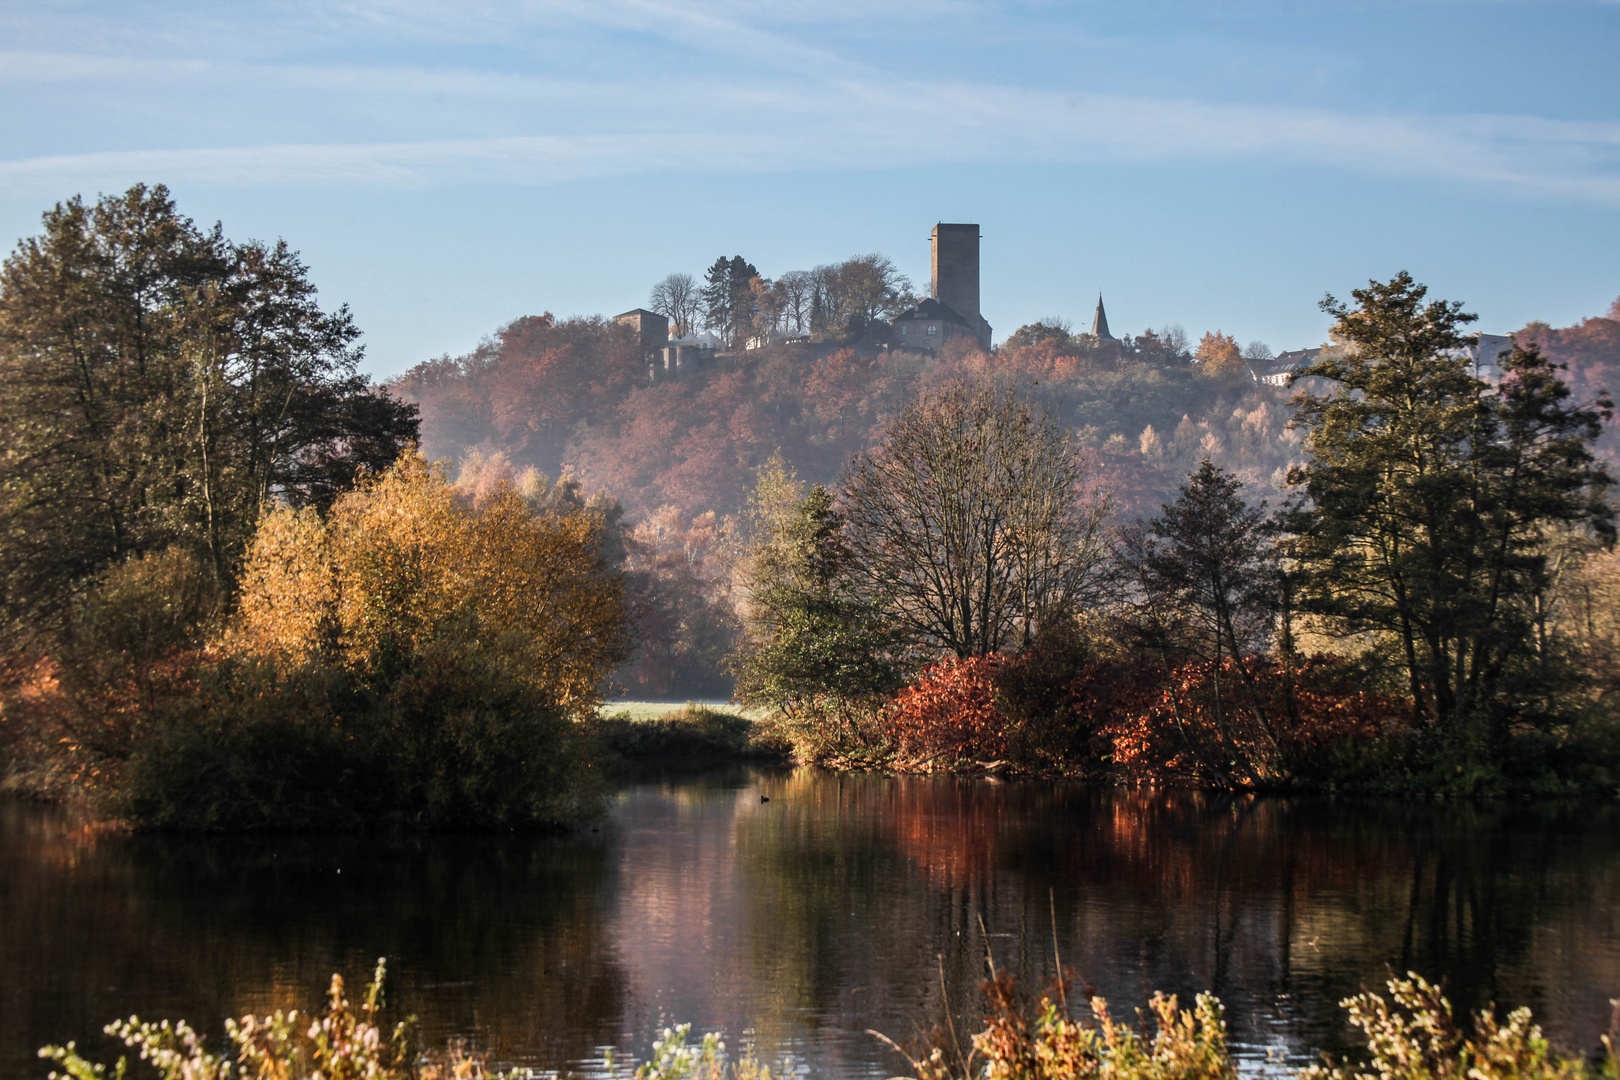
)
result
[(649, 710)]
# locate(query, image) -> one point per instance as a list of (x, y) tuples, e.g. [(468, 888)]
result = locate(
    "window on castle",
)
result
[(932, 329), (902, 331)]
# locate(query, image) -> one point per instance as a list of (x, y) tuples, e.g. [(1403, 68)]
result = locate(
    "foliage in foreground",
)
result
[(1415, 1039), (404, 657)]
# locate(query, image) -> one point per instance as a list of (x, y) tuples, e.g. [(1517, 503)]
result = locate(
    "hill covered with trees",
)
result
[(572, 399)]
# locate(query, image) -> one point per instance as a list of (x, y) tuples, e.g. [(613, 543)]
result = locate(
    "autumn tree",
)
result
[(798, 289), (157, 384), (1425, 499), (401, 565), (1219, 357), (970, 524), (852, 295)]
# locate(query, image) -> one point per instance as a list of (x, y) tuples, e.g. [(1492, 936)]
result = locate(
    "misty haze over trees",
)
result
[(1124, 558)]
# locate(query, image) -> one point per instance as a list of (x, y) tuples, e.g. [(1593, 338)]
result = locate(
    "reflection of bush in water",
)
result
[(1284, 906), (209, 928)]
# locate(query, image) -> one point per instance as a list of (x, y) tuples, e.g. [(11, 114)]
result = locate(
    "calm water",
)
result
[(831, 908)]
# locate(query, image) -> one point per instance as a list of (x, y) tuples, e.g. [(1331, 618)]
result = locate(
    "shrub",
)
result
[(674, 1060), (948, 713), (346, 1042), (1272, 724), (692, 732), (1025, 1041), (1420, 1040), (407, 657), (1039, 1041)]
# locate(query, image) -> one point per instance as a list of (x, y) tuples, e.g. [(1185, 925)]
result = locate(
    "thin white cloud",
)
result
[(892, 126), (795, 104)]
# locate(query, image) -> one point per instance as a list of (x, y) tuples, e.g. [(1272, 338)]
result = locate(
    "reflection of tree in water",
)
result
[(821, 913), (502, 937), (1280, 906)]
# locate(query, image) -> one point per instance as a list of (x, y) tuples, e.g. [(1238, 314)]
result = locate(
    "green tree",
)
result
[(1205, 579), (1425, 501), (808, 636), (158, 384), (728, 298)]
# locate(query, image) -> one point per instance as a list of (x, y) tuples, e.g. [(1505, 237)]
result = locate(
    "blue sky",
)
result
[(447, 167)]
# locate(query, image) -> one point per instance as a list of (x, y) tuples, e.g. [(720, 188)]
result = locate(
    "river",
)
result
[(796, 910)]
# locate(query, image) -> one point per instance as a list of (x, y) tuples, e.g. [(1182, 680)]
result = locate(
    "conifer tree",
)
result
[(1424, 503)]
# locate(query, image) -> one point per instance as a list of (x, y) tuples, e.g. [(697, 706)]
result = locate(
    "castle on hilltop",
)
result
[(952, 307)]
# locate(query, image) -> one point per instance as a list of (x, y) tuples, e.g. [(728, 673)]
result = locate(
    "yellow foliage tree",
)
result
[(401, 565)]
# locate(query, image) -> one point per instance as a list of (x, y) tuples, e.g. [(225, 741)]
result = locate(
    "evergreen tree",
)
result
[(808, 636), (1205, 577), (1425, 502), (727, 302)]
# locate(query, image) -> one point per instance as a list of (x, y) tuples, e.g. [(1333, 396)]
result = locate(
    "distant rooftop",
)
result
[(933, 309)]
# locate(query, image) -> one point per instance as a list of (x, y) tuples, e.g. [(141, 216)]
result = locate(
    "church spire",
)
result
[(1099, 324)]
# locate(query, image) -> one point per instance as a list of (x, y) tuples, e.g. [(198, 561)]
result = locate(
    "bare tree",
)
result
[(798, 289), (970, 524), (677, 298)]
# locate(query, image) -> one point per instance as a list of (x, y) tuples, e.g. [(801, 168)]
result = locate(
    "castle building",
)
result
[(952, 307), (652, 329)]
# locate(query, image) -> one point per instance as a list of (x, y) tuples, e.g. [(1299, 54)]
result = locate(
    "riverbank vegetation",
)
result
[(1412, 1035), (235, 596), (239, 595), (1417, 616)]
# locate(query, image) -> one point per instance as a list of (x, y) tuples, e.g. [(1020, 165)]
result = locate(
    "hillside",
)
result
[(572, 399)]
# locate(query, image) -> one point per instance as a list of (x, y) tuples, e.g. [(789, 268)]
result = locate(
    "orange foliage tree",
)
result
[(1220, 357)]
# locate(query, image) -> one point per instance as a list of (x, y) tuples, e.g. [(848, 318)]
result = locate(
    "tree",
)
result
[(798, 290), (678, 299), (727, 296), (1424, 503), (1219, 357), (970, 524), (1205, 577), (402, 567), (808, 634), (158, 384), (850, 296), (1053, 328)]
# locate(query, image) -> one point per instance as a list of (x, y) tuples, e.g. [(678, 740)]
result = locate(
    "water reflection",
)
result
[(842, 903)]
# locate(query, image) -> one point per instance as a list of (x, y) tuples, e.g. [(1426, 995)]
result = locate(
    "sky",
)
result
[(446, 167)]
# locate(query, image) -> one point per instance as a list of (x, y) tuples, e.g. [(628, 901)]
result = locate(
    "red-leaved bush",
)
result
[(948, 713), (1263, 725)]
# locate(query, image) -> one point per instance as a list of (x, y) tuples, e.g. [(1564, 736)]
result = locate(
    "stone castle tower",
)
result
[(954, 280)]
